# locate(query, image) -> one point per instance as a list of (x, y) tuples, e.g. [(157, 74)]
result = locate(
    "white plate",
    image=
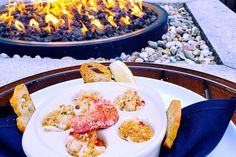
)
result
[(167, 91), (37, 142)]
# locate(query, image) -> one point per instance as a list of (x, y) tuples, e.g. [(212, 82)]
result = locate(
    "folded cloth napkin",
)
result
[(10, 137), (202, 126)]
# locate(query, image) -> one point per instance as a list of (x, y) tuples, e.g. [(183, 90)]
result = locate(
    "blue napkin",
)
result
[(10, 137), (202, 126)]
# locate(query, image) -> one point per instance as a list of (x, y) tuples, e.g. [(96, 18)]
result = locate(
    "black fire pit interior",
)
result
[(107, 48)]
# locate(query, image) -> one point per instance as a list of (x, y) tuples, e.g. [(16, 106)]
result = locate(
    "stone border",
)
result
[(218, 23)]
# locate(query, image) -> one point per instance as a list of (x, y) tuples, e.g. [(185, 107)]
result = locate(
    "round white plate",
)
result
[(167, 91), (37, 142)]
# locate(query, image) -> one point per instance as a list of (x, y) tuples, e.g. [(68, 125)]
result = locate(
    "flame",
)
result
[(94, 21), (55, 21), (19, 26), (125, 20), (55, 14), (48, 28), (84, 28), (109, 3), (97, 23), (122, 4), (21, 7), (93, 5), (111, 20), (136, 9), (33, 23)]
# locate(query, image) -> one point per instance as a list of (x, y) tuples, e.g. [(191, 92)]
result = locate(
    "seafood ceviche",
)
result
[(88, 113), (135, 130)]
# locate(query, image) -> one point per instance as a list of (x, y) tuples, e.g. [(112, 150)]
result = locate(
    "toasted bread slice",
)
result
[(22, 105), (89, 75), (173, 123)]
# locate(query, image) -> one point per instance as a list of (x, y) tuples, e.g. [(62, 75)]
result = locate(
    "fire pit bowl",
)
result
[(107, 48)]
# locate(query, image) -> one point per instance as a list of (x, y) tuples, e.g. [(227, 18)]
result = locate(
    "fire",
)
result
[(97, 23), (56, 14), (84, 28), (33, 23), (111, 20), (19, 26), (55, 21), (125, 20)]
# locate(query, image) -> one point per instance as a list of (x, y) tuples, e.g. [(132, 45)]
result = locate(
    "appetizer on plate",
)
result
[(135, 130), (59, 120), (89, 75), (22, 105), (103, 115), (84, 102), (89, 113), (129, 101), (173, 123), (84, 145)]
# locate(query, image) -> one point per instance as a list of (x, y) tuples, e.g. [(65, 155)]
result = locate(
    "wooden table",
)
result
[(208, 86)]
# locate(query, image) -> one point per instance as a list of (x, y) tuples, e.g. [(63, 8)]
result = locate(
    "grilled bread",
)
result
[(22, 105), (174, 117)]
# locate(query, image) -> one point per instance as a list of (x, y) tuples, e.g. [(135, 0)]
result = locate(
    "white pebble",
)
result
[(25, 56), (143, 55), (198, 38), (179, 30), (178, 44), (172, 29), (203, 47), (186, 37), (189, 61), (131, 59), (67, 58), (135, 53), (16, 56), (123, 56), (196, 52), (170, 44), (149, 50), (139, 60), (37, 57), (158, 61), (205, 52), (166, 61), (4, 55), (163, 37), (173, 50)]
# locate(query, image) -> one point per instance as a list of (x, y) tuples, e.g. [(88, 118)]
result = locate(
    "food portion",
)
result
[(129, 101), (89, 75), (103, 115), (59, 120), (121, 72), (135, 131), (87, 113), (84, 102), (84, 145), (173, 123), (22, 105)]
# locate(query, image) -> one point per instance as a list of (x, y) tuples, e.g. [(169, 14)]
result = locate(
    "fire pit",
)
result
[(79, 28)]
